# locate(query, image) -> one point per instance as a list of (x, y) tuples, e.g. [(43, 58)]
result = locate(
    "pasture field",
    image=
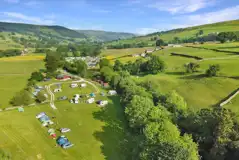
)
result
[(97, 133), (195, 52), (13, 77), (115, 53), (198, 91)]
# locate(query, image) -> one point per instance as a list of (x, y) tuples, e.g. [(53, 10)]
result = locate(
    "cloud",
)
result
[(27, 19), (12, 1), (144, 31), (226, 14), (181, 6)]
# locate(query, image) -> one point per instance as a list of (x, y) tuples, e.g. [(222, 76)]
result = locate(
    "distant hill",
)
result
[(105, 36), (182, 33), (40, 30)]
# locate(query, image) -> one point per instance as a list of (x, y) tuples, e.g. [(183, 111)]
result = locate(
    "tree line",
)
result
[(164, 127), (10, 53)]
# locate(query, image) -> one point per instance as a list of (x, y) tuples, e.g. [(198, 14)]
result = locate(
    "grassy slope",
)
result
[(14, 74), (105, 36), (188, 32), (57, 31), (97, 133), (198, 91)]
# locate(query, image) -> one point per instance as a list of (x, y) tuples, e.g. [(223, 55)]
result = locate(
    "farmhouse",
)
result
[(148, 51), (63, 77), (135, 55)]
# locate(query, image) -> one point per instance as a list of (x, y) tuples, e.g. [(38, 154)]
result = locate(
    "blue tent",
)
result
[(61, 140), (92, 94), (44, 118)]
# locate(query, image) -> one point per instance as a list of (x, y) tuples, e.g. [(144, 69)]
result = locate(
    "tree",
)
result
[(81, 68), (200, 32), (175, 104), (37, 76), (104, 62), (52, 62), (176, 39), (159, 42), (191, 67), (107, 73), (22, 98), (155, 65), (115, 81), (138, 111), (5, 155), (163, 141), (118, 65), (213, 70), (40, 97), (226, 36)]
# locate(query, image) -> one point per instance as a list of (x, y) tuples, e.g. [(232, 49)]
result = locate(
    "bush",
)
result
[(40, 97), (213, 70)]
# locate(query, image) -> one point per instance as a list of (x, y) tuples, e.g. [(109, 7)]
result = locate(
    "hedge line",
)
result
[(186, 55)]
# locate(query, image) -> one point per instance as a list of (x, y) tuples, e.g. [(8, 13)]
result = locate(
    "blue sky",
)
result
[(135, 16)]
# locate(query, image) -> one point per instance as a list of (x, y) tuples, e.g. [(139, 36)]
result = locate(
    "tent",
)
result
[(92, 95), (20, 109)]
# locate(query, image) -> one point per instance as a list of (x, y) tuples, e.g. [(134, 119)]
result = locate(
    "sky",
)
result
[(134, 16)]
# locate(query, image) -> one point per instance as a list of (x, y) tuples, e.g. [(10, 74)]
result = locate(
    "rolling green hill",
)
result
[(105, 36), (182, 33), (29, 29)]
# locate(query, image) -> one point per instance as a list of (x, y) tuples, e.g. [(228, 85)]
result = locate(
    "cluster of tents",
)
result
[(61, 140), (44, 119)]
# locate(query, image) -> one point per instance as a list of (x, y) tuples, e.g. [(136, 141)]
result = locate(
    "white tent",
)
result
[(112, 92), (91, 100), (83, 85), (74, 85)]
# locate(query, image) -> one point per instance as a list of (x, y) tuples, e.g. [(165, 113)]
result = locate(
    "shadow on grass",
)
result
[(198, 76), (228, 47), (114, 136), (176, 73)]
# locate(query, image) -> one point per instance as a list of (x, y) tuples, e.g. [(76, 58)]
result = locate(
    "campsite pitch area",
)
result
[(96, 133), (14, 75)]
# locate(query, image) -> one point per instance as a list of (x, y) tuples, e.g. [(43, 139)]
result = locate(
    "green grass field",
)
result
[(96, 133), (228, 26), (198, 90), (14, 75)]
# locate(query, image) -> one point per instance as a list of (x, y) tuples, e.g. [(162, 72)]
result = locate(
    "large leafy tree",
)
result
[(155, 65), (118, 66), (213, 70), (138, 111), (81, 68), (104, 63), (22, 98), (52, 62), (191, 67), (159, 42)]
